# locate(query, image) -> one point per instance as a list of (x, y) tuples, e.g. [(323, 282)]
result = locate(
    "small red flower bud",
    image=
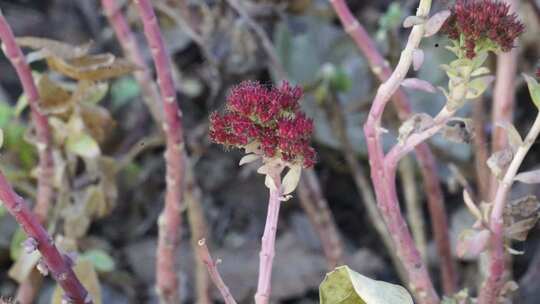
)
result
[(270, 117), (480, 21)]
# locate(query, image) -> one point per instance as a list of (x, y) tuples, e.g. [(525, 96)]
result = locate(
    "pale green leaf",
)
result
[(534, 89), (15, 247), (478, 86), (345, 286), (101, 260), (83, 145)]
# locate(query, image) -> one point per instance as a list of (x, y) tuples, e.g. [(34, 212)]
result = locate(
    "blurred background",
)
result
[(213, 46)]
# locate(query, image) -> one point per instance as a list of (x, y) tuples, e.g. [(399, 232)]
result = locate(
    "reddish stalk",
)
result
[(204, 255), (316, 207), (268, 245), (43, 132), (59, 268), (129, 46), (193, 196), (425, 158), (503, 97), (170, 220)]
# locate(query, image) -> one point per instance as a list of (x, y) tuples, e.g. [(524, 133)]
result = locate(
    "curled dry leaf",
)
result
[(415, 124), (54, 98), (418, 59), (92, 67), (529, 177), (472, 242), (520, 216), (97, 120), (248, 159), (499, 161), (418, 84), (291, 179), (435, 22), (54, 48), (459, 131), (514, 139)]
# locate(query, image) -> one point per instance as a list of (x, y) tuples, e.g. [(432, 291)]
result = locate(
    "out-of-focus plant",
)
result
[(70, 92)]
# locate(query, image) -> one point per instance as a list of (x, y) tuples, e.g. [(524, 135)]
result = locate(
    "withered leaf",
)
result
[(92, 67), (459, 131), (54, 48), (415, 124), (98, 121), (499, 161), (54, 98), (520, 216)]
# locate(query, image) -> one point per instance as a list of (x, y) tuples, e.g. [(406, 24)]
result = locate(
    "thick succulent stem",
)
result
[(268, 245), (424, 155), (57, 264), (170, 219)]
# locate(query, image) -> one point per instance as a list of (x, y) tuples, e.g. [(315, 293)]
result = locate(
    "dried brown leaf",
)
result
[(54, 99), (92, 67), (54, 48), (97, 120)]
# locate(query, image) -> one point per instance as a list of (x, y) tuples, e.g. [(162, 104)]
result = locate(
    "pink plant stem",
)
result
[(204, 255), (43, 132), (494, 282), (384, 181), (58, 266), (170, 220), (503, 97), (425, 158), (129, 45), (268, 246)]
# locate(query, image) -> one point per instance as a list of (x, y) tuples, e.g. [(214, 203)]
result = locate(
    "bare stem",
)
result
[(56, 263), (316, 207), (170, 220), (494, 282), (204, 255), (503, 96), (390, 89), (268, 245), (412, 202)]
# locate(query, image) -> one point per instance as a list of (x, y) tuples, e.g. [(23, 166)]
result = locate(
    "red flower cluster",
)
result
[(481, 20), (268, 116)]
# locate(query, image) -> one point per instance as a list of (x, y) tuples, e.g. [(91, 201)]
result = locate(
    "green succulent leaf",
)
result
[(345, 286), (534, 89), (83, 145), (101, 260), (15, 247)]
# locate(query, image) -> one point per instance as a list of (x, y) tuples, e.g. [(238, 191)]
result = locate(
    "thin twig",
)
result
[(414, 208), (494, 282), (316, 207), (170, 220), (204, 255)]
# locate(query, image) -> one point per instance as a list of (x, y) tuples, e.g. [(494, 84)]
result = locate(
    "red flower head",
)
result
[(270, 117), (481, 22)]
